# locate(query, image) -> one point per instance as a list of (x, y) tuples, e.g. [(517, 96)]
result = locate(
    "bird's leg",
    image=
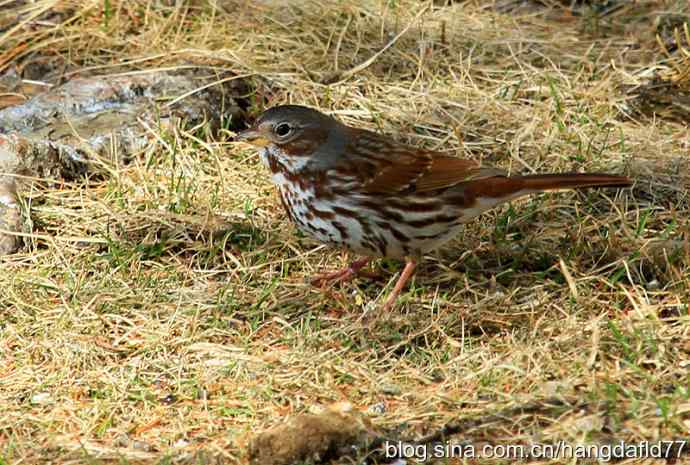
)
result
[(343, 275), (400, 284)]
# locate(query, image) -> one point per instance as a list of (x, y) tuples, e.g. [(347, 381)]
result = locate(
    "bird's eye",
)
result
[(282, 129)]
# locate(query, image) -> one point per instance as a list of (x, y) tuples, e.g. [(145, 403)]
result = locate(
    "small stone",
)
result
[(181, 443), (141, 445), (652, 285), (379, 408), (391, 389), (554, 388), (41, 398), (122, 440), (589, 423)]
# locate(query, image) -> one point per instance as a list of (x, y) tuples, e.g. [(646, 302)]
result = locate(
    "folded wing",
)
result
[(386, 167)]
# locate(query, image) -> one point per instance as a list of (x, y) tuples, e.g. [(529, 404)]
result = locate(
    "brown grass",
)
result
[(129, 333)]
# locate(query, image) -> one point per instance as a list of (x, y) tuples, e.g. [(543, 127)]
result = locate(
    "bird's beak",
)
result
[(252, 136)]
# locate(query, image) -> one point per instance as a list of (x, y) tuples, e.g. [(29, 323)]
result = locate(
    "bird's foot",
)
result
[(399, 285), (344, 275)]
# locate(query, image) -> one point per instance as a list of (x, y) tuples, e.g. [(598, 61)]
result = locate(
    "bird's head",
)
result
[(295, 130)]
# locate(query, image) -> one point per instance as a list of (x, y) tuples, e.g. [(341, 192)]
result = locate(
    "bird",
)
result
[(363, 191)]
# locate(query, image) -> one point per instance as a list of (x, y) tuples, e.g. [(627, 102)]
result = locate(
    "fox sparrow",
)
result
[(358, 189)]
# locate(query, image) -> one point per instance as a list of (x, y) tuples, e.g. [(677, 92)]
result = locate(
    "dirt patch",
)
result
[(313, 438)]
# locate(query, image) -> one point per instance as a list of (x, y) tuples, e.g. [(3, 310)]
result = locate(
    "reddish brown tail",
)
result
[(504, 188), (547, 182)]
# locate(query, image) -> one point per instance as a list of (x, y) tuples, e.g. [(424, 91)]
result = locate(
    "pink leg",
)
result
[(402, 280), (343, 275)]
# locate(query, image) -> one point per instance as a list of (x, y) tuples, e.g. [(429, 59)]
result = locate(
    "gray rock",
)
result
[(10, 216), (379, 408), (59, 133), (391, 389)]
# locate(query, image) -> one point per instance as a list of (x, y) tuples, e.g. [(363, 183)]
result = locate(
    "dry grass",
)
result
[(132, 334)]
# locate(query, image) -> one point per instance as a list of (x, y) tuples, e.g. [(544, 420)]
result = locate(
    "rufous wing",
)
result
[(386, 167), (450, 171)]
